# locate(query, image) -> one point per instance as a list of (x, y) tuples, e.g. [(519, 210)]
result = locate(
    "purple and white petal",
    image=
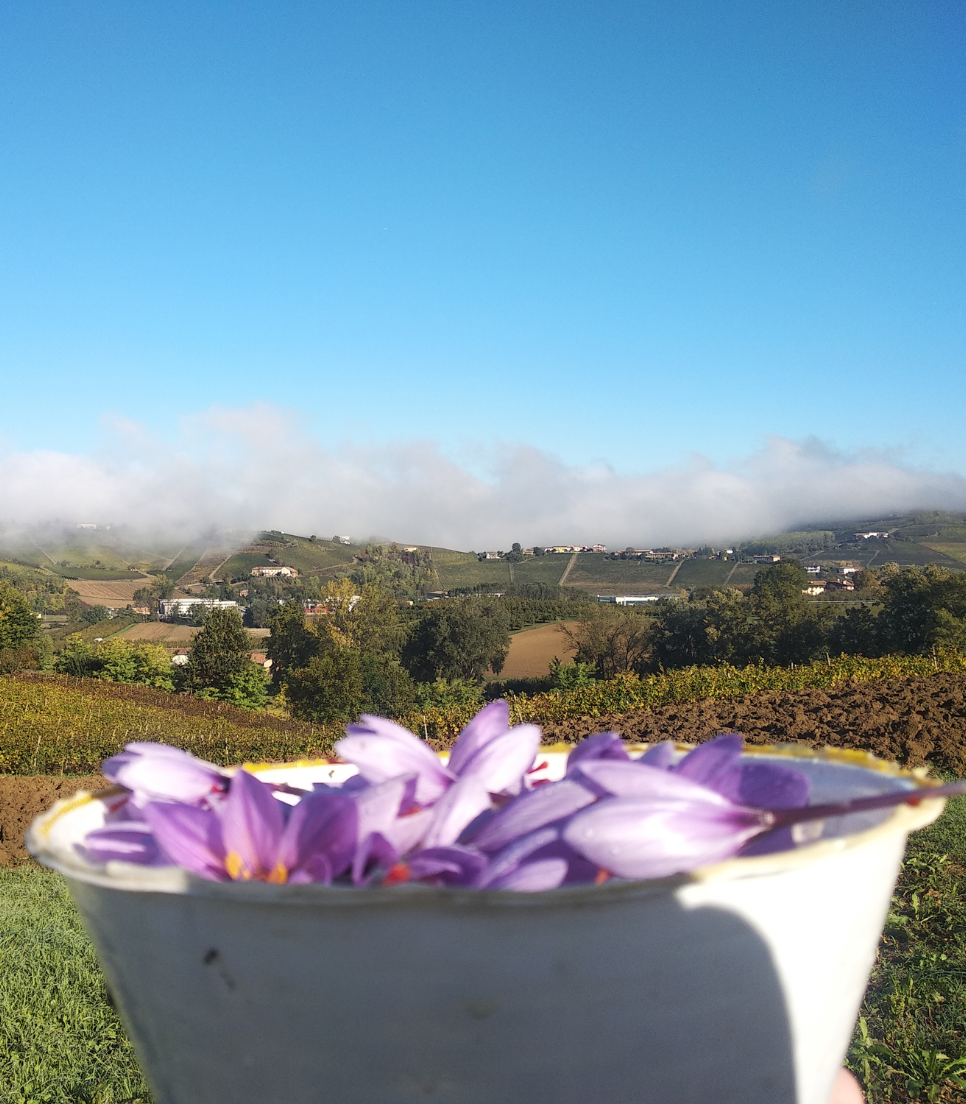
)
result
[(459, 806), (602, 745), (510, 857), (660, 755), (127, 841), (383, 750), (491, 721), (453, 866), (635, 838), (252, 822), (645, 782), (531, 811), (501, 764), (190, 837), (714, 763), (161, 772), (533, 877), (321, 824)]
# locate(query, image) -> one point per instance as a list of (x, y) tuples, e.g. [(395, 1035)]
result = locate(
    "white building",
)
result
[(273, 572), (178, 607)]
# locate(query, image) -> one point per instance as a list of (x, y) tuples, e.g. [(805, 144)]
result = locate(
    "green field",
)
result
[(593, 570), (308, 558), (184, 561), (463, 569), (540, 569)]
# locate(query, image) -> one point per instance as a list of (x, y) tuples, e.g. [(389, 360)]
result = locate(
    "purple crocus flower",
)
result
[(488, 749), (254, 837), (158, 772)]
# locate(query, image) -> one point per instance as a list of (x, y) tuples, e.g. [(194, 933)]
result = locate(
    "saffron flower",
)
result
[(157, 772), (475, 823), (252, 836)]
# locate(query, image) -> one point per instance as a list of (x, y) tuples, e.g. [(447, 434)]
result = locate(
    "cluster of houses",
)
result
[(651, 555), (549, 549)]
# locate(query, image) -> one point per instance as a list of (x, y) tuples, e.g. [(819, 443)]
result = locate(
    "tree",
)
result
[(341, 683), (94, 615), (458, 639), (19, 626), (135, 664), (785, 628), (219, 652), (612, 640), (923, 608)]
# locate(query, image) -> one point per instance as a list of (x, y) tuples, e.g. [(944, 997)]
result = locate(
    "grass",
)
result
[(60, 1040), (540, 569), (910, 1041)]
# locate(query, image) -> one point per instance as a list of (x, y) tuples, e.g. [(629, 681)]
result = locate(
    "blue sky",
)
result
[(617, 233)]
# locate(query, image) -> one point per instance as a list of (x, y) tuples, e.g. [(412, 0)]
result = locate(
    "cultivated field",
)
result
[(108, 594), (593, 571), (532, 650), (159, 632)]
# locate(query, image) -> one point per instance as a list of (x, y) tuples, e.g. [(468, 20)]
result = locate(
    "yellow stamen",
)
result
[(279, 876), (237, 870)]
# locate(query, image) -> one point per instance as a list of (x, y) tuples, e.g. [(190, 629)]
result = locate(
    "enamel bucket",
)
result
[(736, 984)]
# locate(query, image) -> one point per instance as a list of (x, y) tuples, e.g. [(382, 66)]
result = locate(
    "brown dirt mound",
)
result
[(912, 721), (23, 799)]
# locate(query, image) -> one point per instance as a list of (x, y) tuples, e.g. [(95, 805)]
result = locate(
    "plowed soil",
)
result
[(23, 799), (532, 650), (913, 721)]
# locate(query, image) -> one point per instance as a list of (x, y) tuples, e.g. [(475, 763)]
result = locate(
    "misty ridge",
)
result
[(241, 470)]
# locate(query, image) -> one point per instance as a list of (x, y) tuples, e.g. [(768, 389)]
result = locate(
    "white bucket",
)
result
[(737, 984)]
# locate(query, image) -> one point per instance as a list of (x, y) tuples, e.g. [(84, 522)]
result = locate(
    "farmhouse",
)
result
[(273, 572), (874, 534), (769, 559)]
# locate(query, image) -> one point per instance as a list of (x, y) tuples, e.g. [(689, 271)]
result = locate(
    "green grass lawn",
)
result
[(910, 1043), (60, 1041)]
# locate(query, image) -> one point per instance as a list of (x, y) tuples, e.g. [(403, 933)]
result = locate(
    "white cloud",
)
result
[(257, 468)]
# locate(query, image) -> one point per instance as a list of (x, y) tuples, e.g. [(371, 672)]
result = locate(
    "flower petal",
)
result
[(660, 755), (635, 838), (462, 803), (771, 786), (501, 764), (634, 780), (160, 771), (252, 822), (531, 811), (533, 877), (602, 745), (383, 750), (453, 866), (510, 857), (321, 824), (127, 841), (190, 836), (714, 763), (491, 721)]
